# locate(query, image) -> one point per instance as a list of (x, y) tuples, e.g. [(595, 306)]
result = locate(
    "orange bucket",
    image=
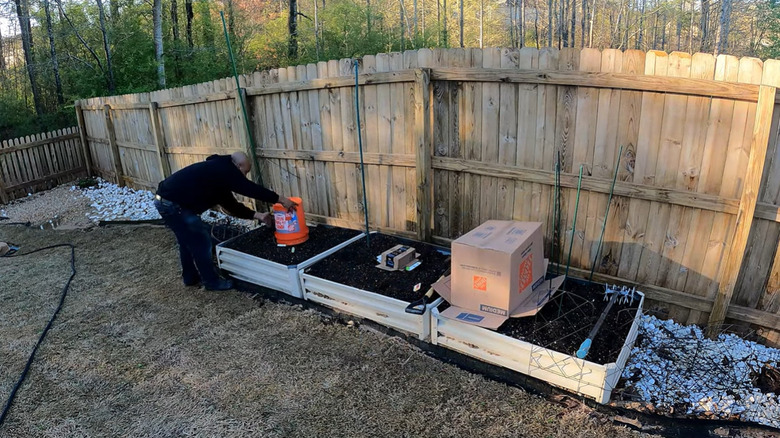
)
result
[(291, 227)]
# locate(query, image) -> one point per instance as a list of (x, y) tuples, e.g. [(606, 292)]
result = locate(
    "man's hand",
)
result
[(265, 218), (287, 203)]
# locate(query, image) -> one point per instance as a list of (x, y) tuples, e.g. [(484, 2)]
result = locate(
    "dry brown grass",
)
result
[(134, 353)]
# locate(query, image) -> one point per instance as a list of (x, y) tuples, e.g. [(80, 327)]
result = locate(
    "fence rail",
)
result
[(455, 137), (39, 162)]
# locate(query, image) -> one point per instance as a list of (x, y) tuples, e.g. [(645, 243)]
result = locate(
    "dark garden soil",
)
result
[(566, 320), (261, 243), (355, 266)]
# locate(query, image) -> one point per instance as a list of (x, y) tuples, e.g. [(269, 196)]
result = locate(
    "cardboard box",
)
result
[(498, 271), (495, 263)]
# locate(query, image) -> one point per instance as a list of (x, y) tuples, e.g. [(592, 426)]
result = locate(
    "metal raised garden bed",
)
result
[(581, 376), (266, 273), (387, 311)]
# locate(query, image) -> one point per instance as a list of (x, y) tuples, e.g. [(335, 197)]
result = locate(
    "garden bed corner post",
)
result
[(83, 136), (747, 207), (115, 156), (423, 151)]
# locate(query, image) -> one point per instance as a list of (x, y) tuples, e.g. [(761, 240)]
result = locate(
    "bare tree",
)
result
[(590, 25), (640, 36), (158, 43), (550, 14), (109, 65), (23, 14), (679, 24), (54, 61), (482, 23), (583, 19), (704, 26), (190, 15), (175, 29)]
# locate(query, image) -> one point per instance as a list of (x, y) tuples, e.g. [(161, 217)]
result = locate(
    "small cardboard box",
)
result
[(498, 272), (494, 264)]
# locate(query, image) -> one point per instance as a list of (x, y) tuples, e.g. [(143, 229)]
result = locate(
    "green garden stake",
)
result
[(606, 215)]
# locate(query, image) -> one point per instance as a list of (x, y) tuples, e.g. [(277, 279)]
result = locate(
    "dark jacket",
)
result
[(203, 185)]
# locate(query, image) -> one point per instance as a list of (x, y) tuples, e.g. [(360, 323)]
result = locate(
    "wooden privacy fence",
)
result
[(455, 137), (40, 161)]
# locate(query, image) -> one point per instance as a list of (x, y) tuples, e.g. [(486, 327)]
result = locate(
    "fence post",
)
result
[(83, 136), (747, 207), (3, 194), (159, 140), (120, 180), (423, 151)]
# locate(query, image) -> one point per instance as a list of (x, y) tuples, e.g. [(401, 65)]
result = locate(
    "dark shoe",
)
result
[(221, 284), (191, 279)]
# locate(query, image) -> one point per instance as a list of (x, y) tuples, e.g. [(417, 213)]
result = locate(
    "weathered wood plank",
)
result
[(673, 86), (424, 152), (747, 205)]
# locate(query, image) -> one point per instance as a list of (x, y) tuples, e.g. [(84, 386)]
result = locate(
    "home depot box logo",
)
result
[(480, 283), (495, 264)]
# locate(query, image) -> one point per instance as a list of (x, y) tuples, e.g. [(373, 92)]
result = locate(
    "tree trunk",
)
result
[(158, 43), (663, 32), (679, 25), (521, 25), (704, 26), (512, 40), (292, 28), (690, 31), (573, 23), (109, 65), (563, 36), (583, 20), (444, 28), (400, 21), (23, 14), (724, 26), (461, 24), (482, 23), (628, 24), (190, 15), (416, 30), (176, 48), (590, 25), (640, 36), (54, 61), (2, 52), (550, 14), (438, 21), (536, 24), (113, 6)]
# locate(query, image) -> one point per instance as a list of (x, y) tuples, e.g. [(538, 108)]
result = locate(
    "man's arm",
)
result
[(236, 208), (241, 185)]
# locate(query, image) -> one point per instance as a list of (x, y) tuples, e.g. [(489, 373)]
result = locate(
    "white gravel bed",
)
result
[(678, 365)]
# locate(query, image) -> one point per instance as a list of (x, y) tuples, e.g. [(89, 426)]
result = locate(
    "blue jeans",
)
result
[(194, 243)]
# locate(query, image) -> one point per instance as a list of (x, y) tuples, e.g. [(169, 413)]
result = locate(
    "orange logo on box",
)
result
[(526, 272), (480, 283)]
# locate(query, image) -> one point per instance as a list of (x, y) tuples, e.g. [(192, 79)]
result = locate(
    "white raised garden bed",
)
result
[(583, 377), (266, 273), (387, 311)]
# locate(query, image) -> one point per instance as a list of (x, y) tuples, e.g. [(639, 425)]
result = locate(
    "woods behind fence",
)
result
[(455, 137)]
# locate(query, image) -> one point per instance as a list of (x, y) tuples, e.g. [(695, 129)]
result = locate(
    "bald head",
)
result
[(241, 160)]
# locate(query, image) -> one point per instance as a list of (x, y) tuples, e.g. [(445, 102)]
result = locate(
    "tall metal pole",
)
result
[(360, 147), (241, 99)]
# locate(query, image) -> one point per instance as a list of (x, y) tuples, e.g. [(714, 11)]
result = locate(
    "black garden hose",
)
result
[(64, 292)]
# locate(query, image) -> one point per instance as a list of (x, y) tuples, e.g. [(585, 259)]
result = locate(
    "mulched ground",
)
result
[(262, 243), (355, 265), (135, 353)]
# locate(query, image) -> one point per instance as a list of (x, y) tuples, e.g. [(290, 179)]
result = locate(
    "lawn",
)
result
[(135, 353)]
